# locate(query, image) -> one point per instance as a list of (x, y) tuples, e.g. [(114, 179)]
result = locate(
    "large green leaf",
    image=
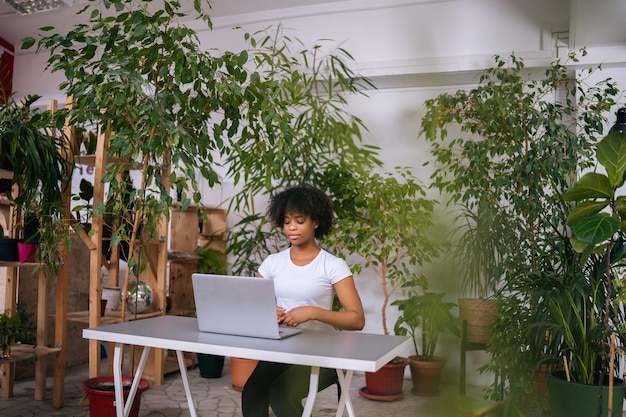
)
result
[(611, 153), (591, 185), (596, 228), (584, 209)]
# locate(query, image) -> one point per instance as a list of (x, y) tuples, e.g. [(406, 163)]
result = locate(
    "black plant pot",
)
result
[(8, 250), (5, 185), (210, 366)]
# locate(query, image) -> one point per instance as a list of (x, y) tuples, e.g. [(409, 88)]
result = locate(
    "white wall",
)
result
[(413, 50)]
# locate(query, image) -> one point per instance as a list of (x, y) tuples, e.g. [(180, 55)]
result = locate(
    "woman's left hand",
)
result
[(298, 315)]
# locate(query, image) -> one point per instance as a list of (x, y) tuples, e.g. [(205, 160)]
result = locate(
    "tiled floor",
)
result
[(217, 398)]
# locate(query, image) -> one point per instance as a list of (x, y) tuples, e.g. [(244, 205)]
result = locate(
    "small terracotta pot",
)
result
[(426, 375), (240, 371)]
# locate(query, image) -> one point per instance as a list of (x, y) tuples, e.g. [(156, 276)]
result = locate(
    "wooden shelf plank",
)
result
[(110, 317), (19, 264), (21, 352)]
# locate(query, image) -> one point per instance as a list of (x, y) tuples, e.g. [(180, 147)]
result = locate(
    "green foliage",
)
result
[(212, 261), (139, 67), (306, 92), (39, 168), (598, 223), (510, 147), (428, 312), (505, 153), (479, 241), (52, 233), (384, 220), (274, 116), (512, 357), (84, 210), (33, 154), (15, 327)]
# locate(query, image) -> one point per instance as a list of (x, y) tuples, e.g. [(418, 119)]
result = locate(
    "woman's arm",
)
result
[(351, 317)]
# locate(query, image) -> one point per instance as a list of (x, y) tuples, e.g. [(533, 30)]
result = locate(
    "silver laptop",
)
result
[(240, 306)]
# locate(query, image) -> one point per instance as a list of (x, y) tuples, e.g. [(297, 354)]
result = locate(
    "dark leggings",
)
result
[(281, 386)]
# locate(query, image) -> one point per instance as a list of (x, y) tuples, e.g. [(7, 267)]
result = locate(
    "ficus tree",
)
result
[(505, 151), (173, 109)]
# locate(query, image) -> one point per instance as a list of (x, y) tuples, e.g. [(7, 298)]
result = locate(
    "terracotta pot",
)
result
[(386, 383), (426, 375), (240, 371), (479, 314)]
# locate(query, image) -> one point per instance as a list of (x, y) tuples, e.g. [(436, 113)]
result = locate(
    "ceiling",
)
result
[(14, 27)]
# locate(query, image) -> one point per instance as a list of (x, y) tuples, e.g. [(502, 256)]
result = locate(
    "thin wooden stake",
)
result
[(611, 370), (566, 368)]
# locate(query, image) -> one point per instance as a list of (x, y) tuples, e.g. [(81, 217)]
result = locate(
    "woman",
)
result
[(305, 279)]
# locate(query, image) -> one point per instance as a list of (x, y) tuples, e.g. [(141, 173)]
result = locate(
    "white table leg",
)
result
[(344, 400), (117, 379), (313, 384), (121, 409), (183, 375)]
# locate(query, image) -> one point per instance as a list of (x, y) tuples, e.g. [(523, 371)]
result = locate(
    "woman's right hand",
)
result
[(280, 314)]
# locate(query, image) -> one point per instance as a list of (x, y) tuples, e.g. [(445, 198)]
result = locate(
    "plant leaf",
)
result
[(596, 228), (611, 153), (584, 209), (591, 185)]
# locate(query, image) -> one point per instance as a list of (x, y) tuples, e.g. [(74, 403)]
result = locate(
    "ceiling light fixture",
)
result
[(25, 7)]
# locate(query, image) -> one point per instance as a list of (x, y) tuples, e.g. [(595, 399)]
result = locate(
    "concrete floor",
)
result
[(217, 398)]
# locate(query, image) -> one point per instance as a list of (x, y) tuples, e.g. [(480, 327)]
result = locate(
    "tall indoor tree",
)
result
[(173, 107), (506, 151)]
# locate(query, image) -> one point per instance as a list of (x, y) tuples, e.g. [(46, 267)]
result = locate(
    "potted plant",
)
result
[(37, 160), (424, 315), (34, 156), (45, 227), (13, 329), (312, 158), (513, 153), (478, 244), (598, 233), (499, 170), (383, 222)]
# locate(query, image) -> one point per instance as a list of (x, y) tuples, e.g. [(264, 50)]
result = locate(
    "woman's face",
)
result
[(299, 229)]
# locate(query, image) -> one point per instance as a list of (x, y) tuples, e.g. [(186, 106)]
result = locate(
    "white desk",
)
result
[(344, 351)]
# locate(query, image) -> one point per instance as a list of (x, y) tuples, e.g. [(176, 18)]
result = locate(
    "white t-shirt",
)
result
[(308, 285)]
